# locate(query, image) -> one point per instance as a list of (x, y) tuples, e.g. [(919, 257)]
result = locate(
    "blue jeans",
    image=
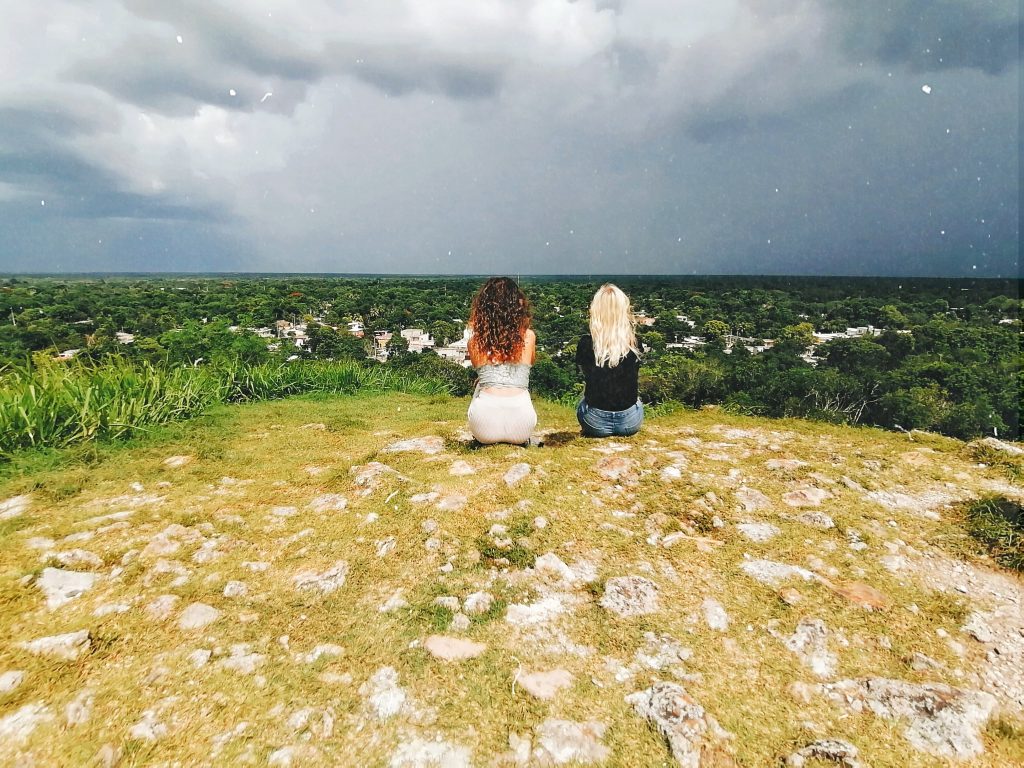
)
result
[(599, 423)]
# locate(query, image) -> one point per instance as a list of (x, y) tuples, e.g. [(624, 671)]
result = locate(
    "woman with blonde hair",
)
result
[(501, 347), (609, 357)]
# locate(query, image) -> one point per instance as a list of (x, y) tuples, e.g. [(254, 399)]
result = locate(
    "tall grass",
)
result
[(56, 406)]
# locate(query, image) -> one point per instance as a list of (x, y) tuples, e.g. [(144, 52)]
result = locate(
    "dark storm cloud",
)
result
[(595, 135), (175, 80), (402, 69), (931, 35), (229, 34)]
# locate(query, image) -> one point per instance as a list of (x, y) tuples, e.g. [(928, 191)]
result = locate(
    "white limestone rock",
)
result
[(62, 586)]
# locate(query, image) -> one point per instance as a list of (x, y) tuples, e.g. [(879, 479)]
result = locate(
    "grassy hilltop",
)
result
[(347, 581)]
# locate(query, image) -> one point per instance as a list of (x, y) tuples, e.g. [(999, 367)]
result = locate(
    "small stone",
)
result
[(108, 756), (671, 473), (810, 643), (630, 596), (424, 498), (176, 462), (551, 565), (978, 628), (448, 602), (394, 603), (78, 558), (833, 750), (429, 527), (452, 503), (199, 657), (758, 532), (383, 694), (14, 506), (160, 608), (920, 662), (937, 719), (385, 546), (545, 685), (68, 646), (806, 497), (478, 602), (452, 648), (790, 596), (460, 623), (817, 520), (560, 742), (617, 469), (62, 586), (148, 728), (17, 727), (326, 582), (320, 651), (715, 615), (784, 464), (79, 709), (242, 660), (540, 523), (893, 563), (693, 735), (429, 445), (10, 680), (461, 468), (236, 589), (197, 616), (752, 499), (516, 473), (774, 574), (421, 753), (328, 502)]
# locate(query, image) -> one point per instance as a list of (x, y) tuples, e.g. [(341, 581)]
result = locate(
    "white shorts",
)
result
[(502, 418)]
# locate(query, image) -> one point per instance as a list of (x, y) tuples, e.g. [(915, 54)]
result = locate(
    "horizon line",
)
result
[(477, 275)]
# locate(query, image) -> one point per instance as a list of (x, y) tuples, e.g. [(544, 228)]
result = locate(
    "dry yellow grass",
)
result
[(287, 453)]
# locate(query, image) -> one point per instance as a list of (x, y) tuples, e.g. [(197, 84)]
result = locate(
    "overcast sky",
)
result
[(505, 136)]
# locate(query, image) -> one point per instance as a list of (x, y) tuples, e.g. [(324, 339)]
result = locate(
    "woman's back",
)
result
[(612, 388)]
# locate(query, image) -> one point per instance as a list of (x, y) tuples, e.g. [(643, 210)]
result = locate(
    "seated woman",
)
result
[(610, 360), (502, 348)]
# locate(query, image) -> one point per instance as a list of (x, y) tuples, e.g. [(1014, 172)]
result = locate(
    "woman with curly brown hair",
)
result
[(502, 347)]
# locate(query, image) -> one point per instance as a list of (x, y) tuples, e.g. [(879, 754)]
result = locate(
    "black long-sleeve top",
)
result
[(610, 389)]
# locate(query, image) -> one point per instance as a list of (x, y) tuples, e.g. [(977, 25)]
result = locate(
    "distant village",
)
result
[(417, 340)]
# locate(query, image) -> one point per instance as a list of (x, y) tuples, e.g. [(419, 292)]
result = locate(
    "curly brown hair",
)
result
[(499, 317)]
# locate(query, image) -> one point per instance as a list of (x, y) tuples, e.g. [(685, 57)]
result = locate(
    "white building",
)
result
[(417, 339)]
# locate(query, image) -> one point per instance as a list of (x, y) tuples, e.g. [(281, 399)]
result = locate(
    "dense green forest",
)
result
[(933, 354)]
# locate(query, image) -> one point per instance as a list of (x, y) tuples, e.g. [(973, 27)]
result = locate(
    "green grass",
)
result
[(58, 406), (997, 523)]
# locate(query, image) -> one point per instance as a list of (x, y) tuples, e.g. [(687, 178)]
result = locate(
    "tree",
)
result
[(714, 331), (889, 316)]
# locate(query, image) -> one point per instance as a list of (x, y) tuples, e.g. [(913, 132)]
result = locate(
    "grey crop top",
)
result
[(504, 375)]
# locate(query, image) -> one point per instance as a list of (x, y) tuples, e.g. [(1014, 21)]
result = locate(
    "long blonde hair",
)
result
[(612, 326)]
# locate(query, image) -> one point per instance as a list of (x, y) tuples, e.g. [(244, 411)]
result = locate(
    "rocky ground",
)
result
[(350, 582)]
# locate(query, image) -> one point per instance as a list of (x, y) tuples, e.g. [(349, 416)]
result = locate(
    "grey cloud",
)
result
[(400, 69), (230, 35), (175, 81), (76, 188), (730, 118), (931, 35)]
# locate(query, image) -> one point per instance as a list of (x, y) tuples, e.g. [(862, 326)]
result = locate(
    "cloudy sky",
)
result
[(490, 136)]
